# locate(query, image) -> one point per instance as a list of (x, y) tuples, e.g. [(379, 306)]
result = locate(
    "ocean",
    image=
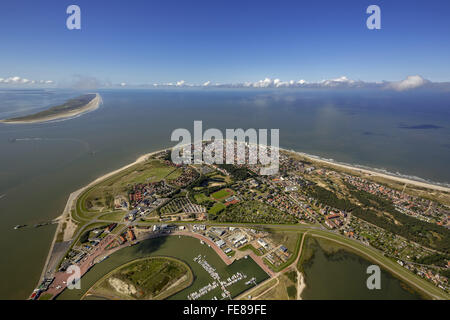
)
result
[(41, 164)]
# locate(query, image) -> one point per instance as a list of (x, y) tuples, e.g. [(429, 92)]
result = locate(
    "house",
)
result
[(220, 243), (263, 244)]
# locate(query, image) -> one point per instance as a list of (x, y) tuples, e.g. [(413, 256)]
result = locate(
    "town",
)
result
[(214, 203)]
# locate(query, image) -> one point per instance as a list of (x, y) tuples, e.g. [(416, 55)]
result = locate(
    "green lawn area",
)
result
[(46, 296), (152, 278), (293, 241), (101, 195), (286, 238), (222, 194), (201, 198), (216, 208), (115, 216)]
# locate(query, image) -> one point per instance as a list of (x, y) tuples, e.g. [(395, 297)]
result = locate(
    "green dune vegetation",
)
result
[(151, 278)]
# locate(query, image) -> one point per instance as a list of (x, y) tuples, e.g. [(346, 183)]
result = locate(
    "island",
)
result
[(71, 108), (249, 236)]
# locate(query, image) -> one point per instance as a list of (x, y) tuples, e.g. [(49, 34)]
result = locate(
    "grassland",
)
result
[(292, 241), (254, 212), (201, 198), (153, 278), (285, 289), (113, 216), (222, 194), (100, 197), (216, 208)]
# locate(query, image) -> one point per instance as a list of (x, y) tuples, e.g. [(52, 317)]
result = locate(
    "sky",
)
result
[(139, 42)]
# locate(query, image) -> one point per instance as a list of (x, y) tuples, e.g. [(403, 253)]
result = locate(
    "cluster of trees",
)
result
[(255, 212), (238, 173), (436, 259), (424, 233)]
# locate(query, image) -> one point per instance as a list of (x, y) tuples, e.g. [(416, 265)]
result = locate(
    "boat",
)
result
[(19, 226), (102, 259)]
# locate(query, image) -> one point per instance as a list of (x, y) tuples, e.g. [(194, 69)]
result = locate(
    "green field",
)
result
[(292, 241), (216, 208), (222, 194), (201, 198), (101, 196), (144, 279), (114, 216)]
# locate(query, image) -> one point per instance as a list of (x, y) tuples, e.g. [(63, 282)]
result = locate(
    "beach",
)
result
[(91, 106), (372, 172)]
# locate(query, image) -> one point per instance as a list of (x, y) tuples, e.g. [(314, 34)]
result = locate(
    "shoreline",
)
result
[(71, 201), (89, 107), (74, 195), (301, 285), (373, 172)]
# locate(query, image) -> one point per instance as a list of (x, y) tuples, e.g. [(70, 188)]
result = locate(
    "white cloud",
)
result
[(334, 83), (410, 82), (16, 80)]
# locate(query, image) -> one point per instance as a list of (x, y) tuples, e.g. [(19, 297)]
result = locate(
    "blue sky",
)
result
[(224, 41)]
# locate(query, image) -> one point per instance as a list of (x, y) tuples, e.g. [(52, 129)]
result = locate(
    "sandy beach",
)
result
[(65, 217), (372, 172), (91, 106)]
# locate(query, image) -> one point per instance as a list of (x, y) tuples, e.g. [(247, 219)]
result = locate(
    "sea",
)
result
[(405, 133)]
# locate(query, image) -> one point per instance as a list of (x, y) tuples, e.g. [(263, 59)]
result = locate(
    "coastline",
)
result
[(301, 285), (91, 106), (372, 172), (71, 201), (74, 195)]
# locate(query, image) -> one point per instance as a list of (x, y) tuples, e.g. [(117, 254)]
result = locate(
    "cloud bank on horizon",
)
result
[(24, 81), (411, 82)]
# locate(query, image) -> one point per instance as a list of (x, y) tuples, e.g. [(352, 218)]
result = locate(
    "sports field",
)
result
[(222, 194)]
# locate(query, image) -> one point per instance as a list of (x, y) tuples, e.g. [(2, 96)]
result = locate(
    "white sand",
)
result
[(91, 106), (373, 173)]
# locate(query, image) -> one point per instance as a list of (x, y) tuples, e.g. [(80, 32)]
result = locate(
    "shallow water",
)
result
[(342, 275)]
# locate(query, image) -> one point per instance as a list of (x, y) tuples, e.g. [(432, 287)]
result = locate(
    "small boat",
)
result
[(104, 258), (19, 226)]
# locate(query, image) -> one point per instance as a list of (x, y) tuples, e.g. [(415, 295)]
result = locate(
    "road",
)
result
[(315, 231)]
